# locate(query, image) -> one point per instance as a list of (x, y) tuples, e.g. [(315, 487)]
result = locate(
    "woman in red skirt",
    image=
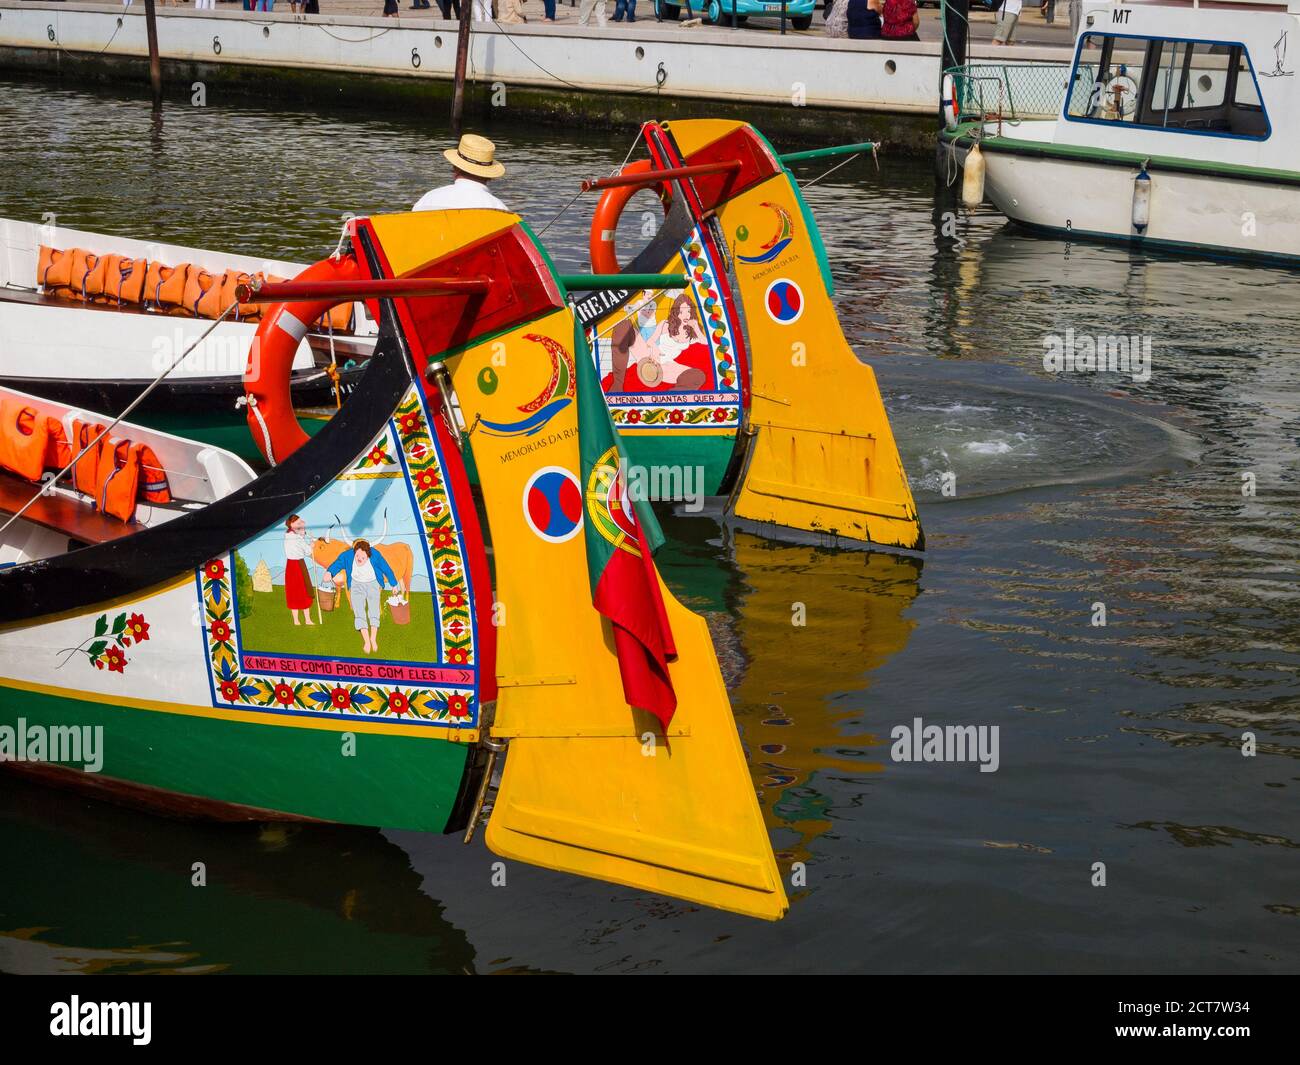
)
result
[(297, 581)]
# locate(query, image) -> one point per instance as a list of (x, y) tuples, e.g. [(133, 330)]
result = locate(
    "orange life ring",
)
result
[(267, 394), (604, 222)]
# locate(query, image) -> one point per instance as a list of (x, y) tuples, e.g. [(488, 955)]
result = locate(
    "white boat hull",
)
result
[(1205, 213)]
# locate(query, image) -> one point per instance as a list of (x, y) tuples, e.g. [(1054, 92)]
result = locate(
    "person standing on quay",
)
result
[(900, 20), (1008, 16), (447, 7), (620, 6), (587, 7)]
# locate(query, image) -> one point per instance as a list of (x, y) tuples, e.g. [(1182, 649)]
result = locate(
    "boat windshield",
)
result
[(1185, 86)]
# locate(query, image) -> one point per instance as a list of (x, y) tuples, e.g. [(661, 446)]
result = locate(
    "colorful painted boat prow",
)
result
[(747, 373), (327, 641)]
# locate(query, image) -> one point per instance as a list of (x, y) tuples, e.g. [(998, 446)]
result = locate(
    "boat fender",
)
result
[(1142, 200), (951, 109), (972, 179), (604, 221), (267, 399)]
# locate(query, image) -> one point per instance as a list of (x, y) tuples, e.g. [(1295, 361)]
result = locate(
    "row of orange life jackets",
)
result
[(185, 290), (115, 474)]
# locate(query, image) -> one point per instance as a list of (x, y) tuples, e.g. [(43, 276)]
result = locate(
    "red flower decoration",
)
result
[(426, 480), (377, 456), (720, 414), (633, 416), (457, 706), (230, 691), (116, 660), (215, 570), (458, 656), (675, 416), (442, 537), (220, 631), (409, 423), (452, 598), (340, 699), (139, 627), (398, 703), (284, 694)]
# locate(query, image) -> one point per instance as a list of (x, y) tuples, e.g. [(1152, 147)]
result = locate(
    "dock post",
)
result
[(462, 61), (954, 22), (155, 63)]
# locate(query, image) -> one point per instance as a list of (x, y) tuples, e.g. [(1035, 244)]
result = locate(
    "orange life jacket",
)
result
[(57, 449), (165, 285), (24, 435), (203, 293), (54, 269), (123, 279), (85, 474), (119, 478), (153, 478)]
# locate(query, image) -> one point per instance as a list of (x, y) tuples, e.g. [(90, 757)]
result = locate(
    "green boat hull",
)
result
[(370, 778)]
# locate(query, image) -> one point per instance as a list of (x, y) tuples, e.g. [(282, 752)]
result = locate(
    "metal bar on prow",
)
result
[(291, 291), (653, 177), (597, 282), (826, 153)]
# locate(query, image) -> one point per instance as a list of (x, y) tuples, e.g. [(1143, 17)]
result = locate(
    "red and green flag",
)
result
[(622, 535)]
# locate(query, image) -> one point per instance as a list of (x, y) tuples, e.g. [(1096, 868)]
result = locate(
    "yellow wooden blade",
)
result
[(823, 457), (589, 784)]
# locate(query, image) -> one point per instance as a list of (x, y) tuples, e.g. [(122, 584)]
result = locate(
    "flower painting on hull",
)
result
[(368, 611)]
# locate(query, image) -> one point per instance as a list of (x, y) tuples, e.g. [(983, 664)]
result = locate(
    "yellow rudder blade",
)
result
[(823, 456), (590, 785)]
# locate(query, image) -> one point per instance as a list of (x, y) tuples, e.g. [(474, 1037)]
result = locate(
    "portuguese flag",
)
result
[(621, 537)]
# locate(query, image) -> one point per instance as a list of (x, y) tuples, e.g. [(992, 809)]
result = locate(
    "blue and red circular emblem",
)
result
[(784, 301), (553, 504)]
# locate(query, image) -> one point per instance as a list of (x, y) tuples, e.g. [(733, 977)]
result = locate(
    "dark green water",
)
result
[(1119, 745)]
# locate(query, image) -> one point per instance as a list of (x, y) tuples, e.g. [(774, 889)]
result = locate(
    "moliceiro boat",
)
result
[(89, 320), (744, 373), (1168, 130), (327, 640)]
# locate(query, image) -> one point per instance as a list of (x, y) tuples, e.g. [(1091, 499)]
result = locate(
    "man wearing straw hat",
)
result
[(473, 166)]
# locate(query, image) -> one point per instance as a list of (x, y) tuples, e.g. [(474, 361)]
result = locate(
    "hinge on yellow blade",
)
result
[(494, 747)]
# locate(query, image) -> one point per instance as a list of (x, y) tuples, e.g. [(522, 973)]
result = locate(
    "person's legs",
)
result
[(365, 597), (631, 10), (549, 6), (585, 8), (619, 5)]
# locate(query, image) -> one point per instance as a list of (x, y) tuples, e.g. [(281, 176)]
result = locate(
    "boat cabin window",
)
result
[(1184, 86)]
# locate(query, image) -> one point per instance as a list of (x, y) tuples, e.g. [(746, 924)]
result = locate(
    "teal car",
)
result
[(722, 12)]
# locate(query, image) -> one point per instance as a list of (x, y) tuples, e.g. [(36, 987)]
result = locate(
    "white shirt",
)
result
[(363, 571), (295, 546), (1011, 7), (461, 194)]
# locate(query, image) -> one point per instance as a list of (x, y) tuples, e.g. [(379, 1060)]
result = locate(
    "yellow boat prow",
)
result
[(590, 785), (821, 455)]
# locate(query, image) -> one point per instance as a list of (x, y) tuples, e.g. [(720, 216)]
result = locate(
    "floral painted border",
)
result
[(668, 417), (710, 301), (446, 706)]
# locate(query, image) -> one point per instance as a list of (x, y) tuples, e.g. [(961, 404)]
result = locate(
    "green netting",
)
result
[(1012, 91)]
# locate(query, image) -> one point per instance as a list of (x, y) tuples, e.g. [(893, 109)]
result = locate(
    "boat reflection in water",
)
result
[(800, 698), (814, 625), (278, 898)]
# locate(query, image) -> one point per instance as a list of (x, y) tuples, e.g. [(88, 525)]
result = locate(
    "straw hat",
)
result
[(474, 155)]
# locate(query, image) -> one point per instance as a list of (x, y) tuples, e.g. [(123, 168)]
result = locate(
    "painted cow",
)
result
[(398, 556)]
